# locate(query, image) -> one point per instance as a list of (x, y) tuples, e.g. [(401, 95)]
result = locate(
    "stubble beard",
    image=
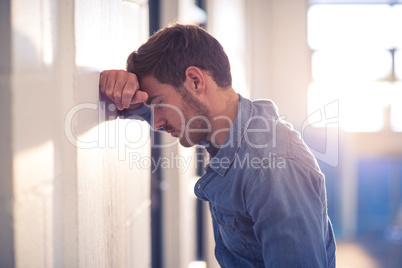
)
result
[(196, 109)]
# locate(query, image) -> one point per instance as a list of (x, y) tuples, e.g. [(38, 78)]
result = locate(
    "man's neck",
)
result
[(223, 115)]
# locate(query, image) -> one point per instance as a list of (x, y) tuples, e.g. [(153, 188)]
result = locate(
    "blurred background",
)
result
[(80, 187)]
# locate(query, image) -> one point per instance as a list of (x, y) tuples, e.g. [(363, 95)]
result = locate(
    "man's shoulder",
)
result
[(265, 107), (265, 129), (269, 134)]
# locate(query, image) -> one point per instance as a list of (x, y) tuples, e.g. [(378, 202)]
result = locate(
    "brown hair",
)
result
[(169, 52)]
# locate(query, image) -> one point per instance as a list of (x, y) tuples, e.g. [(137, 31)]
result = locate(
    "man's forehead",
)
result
[(149, 81), (150, 85)]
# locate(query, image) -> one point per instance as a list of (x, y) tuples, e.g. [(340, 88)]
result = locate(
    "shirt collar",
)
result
[(223, 156)]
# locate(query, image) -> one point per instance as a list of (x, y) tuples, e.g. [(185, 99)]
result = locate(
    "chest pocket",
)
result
[(229, 230)]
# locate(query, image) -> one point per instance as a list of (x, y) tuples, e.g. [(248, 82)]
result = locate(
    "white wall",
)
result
[(227, 23), (113, 198), (279, 56), (70, 197)]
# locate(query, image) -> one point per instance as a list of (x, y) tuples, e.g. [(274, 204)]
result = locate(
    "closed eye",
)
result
[(149, 101), (158, 105)]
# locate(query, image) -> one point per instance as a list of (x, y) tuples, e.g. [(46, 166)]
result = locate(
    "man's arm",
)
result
[(288, 208)]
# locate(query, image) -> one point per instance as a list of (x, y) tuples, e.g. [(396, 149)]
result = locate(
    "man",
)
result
[(266, 192)]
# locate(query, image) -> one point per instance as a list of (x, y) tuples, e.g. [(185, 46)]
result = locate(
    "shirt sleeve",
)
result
[(142, 113), (288, 208)]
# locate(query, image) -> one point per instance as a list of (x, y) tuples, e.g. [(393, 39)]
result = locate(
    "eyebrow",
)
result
[(149, 100)]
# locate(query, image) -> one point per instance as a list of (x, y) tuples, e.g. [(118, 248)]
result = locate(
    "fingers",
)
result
[(121, 87), (130, 88), (139, 96), (103, 82)]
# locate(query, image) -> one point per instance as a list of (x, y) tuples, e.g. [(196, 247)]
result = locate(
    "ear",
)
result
[(195, 79)]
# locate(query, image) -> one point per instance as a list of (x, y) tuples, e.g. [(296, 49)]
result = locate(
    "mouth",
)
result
[(171, 131)]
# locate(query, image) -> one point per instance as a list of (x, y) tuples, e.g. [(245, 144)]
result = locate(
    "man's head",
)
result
[(170, 51), (186, 74), (179, 113)]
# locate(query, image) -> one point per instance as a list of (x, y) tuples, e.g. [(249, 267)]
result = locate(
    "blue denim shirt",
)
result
[(266, 194)]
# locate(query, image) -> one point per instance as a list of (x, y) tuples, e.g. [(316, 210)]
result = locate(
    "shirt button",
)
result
[(198, 186)]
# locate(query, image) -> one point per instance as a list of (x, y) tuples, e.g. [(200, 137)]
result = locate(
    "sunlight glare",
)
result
[(197, 264), (346, 26), (351, 65), (397, 22), (361, 104)]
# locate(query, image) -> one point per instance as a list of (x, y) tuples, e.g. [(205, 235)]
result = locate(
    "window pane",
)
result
[(361, 105), (346, 26), (351, 65), (396, 108)]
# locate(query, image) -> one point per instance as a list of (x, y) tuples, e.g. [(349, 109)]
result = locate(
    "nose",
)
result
[(158, 119)]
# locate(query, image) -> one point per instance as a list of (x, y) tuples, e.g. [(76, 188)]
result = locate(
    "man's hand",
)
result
[(122, 88)]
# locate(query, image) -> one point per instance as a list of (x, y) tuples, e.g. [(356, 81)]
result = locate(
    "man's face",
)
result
[(181, 115)]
